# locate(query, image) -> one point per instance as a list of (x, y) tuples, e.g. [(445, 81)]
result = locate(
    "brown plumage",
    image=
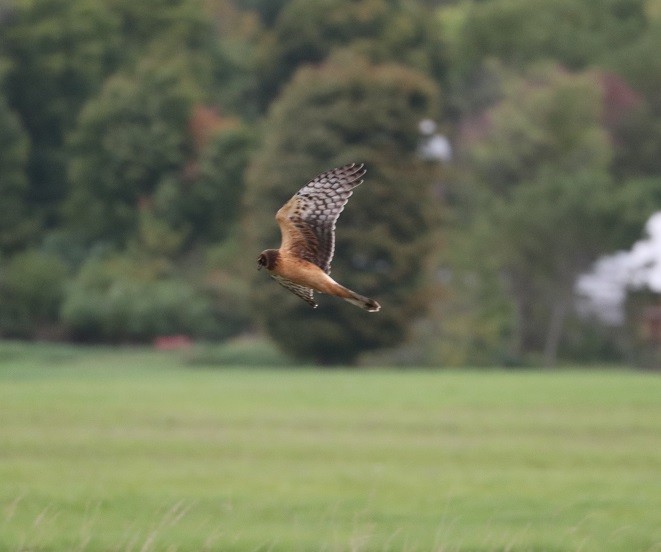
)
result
[(307, 224)]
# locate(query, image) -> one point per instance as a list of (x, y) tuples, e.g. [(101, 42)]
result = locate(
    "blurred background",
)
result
[(508, 216)]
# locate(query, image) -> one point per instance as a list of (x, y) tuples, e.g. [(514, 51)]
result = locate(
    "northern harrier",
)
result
[(307, 224)]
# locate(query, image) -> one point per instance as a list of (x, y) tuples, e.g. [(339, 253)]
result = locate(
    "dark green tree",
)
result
[(130, 140), (268, 10), (32, 287), (58, 53), (342, 111), (572, 32), (147, 155), (210, 198), (16, 225), (307, 31), (182, 24)]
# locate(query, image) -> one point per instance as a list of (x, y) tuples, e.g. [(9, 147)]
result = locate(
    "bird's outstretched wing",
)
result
[(303, 292), (307, 220)]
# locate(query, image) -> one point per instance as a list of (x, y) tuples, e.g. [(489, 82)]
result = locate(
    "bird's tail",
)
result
[(370, 305)]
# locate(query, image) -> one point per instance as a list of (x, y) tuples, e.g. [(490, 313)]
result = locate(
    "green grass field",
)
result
[(133, 450)]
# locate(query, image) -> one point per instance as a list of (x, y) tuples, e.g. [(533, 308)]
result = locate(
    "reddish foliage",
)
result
[(173, 342), (619, 98), (205, 123)]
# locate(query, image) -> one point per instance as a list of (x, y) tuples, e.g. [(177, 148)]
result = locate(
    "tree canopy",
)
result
[(352, 110), (145, 147), (539, 160)]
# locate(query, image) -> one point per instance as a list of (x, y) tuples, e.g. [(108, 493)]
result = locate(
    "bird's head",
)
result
[(268, 259)]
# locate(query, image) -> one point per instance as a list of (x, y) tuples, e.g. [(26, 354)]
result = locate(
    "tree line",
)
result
[(145, 147)]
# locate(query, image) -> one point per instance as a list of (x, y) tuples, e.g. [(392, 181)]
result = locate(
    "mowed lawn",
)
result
[(133, 450)]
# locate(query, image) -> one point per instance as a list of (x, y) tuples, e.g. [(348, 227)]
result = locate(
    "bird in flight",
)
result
[(307, 224)]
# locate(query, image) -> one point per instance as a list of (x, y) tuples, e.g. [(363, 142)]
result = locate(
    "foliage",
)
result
[(573, 32), (517, 33), (473, 323), (210, 199), (59, 52), (637, 129), (307, 31), (126, 128), (541, 168), (32, 287), (638, 65), (184, 22), (118, 300), (227, 286), (268, 10), (16, 227), (352, 111), (129, 141), (550, 119)]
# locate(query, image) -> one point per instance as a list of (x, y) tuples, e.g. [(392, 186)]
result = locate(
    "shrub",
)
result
[(32, 288), (113, 301)]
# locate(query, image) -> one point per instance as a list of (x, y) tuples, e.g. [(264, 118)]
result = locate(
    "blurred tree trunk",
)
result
[(557, 320)]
